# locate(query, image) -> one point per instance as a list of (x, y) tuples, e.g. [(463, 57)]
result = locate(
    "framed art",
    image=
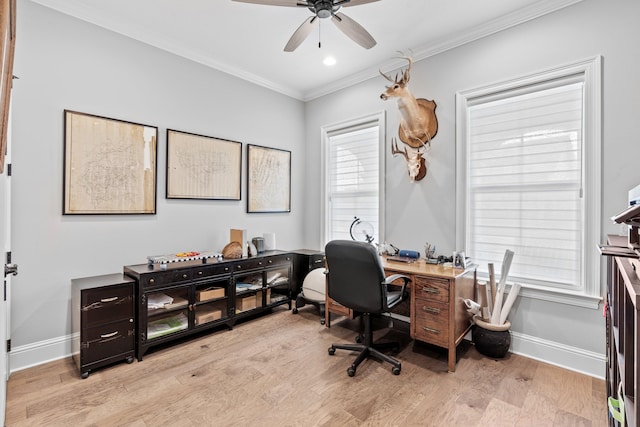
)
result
[(268, 179), (110, 166), (203, 167)]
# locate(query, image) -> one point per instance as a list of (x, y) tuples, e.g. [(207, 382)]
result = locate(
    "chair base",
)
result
[(369, 349), (301, 301)]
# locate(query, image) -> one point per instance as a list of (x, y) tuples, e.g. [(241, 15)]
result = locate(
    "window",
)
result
[(353, 159), (529, 180)]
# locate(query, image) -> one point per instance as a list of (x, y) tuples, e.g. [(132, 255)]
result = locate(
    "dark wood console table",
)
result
[(181, 298)]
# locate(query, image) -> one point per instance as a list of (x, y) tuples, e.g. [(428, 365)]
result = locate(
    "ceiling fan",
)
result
[(323, 9)]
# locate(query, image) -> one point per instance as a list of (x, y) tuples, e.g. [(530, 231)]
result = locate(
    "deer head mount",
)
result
[(418, 122)]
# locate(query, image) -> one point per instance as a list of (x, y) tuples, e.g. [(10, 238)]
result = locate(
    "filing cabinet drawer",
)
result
[(432, 322), (103, 305), (107, 341), (431, 288)]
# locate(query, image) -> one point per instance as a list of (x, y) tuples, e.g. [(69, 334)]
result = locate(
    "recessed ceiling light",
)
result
[(329, 61)]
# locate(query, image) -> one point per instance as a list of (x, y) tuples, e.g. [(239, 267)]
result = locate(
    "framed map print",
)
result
[(109, 166), (268, 179), (202, 167)]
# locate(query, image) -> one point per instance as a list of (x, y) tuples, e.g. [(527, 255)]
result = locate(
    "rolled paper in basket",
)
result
[(508, 303), (472, 306)]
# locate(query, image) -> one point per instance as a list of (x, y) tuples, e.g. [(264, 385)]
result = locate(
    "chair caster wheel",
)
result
[(359, 339), (395, 371), (351, 371), (295, 311), (332, 351)]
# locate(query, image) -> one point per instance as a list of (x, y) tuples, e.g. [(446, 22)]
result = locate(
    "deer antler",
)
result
[(395, 150)]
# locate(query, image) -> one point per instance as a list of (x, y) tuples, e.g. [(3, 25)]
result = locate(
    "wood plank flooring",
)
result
[(275, 371)]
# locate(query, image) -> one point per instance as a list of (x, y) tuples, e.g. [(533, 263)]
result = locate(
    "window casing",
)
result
[(528, 179), (353, 179)]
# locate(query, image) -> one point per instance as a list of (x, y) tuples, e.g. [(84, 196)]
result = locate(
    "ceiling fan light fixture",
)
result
[(329, 61)]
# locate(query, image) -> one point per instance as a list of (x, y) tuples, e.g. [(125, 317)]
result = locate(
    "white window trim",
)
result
[(591, 69), (325, 131)]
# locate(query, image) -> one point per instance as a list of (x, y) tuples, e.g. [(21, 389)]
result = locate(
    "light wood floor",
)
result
[(275, 371)]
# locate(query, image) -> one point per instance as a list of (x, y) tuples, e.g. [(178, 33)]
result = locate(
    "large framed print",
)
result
[(110, 166), (203, 167), (268, 179)]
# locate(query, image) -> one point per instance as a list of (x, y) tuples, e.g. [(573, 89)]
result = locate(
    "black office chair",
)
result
[(356, 280)]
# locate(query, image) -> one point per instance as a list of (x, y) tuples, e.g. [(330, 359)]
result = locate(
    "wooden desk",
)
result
[(438, 314)]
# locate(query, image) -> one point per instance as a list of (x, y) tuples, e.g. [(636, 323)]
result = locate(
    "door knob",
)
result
[(10, 269)]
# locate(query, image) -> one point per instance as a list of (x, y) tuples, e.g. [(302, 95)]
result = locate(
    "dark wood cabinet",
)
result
[(103, 321), (178, 299), (304, 260)]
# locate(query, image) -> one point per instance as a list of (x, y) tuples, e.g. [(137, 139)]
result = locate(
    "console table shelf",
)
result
[(178, 299)]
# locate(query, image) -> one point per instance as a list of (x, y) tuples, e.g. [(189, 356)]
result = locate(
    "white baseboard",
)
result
[(564, 356), (568, 357), (26, 356)]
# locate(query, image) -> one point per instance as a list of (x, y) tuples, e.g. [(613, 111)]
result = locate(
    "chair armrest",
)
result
[(394, 277)]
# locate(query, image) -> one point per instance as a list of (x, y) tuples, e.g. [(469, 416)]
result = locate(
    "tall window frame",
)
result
[(333, 227), (587, 291)]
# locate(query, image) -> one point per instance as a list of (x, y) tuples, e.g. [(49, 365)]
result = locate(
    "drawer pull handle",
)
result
[(184, 276), (105, 300), (431, 309), (110, 335), (433, 331), (430, 290), (200, 273)]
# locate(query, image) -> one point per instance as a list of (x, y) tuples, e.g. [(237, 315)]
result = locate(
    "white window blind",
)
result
[(528, 179), (353, 179), (525, 169)]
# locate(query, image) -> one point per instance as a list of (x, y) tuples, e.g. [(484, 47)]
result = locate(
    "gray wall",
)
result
[(63, 63), (425, 211)]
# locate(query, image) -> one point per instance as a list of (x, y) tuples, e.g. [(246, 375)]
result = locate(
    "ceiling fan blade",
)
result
[(293, 3), (353, 30), (357, 2), (301, 33)]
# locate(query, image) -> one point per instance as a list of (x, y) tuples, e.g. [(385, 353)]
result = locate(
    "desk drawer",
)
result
[(432, 322), (106, 341), (431, 288)]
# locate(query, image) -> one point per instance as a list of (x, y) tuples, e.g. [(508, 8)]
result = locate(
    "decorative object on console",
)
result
[(240, 236), (202, 167), (109, 166), (268, 179), (418, 122), (232, 250)]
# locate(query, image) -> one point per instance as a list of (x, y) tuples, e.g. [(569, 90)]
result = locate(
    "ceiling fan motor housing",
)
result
[(323, 8)]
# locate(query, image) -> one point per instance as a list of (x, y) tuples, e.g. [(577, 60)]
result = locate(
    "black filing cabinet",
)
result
[(304, 260), (103, 321)]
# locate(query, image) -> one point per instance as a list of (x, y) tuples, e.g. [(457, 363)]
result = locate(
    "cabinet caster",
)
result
[(295, 311), (322, 321), (359, 339), (84, 375), (129, 360), (351, 371), (395, 371), (332, 351)]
